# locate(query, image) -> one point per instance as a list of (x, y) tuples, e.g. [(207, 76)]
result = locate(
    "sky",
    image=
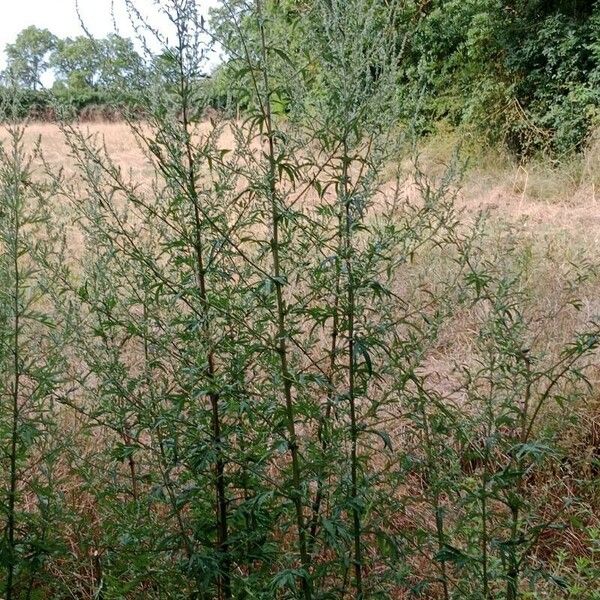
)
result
[(60, 17)]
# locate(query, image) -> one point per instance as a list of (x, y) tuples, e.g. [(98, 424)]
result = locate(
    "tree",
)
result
[(28, 57), (121, 64), (84, 64), (77, 63)]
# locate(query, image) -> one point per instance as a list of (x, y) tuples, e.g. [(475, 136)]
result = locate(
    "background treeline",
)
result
[(87, 72), (520, 74)]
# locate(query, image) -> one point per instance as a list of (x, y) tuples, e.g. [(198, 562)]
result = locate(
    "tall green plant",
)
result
[(30, 371)]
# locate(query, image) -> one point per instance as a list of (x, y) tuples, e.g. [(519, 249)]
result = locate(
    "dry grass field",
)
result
[(556, 210), (552, 213), (546, 200)]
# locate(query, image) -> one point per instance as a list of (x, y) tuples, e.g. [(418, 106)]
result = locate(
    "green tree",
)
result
[(121, 64), (27, 57), (77, 63), (86, 67)]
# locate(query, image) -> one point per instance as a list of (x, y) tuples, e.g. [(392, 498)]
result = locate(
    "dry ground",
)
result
[(556, 210), (565, 199), (553, 211)]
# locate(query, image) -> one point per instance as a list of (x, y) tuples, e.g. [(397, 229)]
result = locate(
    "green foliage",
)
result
[(30, 373), (77, 63), (523, 74), (86, 65), (27, 57), (88, 72), (243, 384)]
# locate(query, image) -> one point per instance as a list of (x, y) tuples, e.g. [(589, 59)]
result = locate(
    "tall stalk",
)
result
[(27, 359), (224, 579), (438, 509), (348, 252), (325, 425), (14, 208), (281, 326)]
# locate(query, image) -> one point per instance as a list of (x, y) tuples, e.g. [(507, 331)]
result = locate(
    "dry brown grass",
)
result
[(555, 210), (546, 199)]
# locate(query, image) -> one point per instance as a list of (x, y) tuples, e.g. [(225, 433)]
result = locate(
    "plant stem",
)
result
[(437, 508), (350, 315), (281, 309), (12, 494), (322, 432), (224, 577)]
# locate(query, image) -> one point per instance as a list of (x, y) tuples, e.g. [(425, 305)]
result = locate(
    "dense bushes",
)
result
[(47, 106), (525, 73), (522, 74)]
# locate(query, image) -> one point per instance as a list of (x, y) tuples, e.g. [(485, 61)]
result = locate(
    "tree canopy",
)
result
[(27, 57), (521, 74)]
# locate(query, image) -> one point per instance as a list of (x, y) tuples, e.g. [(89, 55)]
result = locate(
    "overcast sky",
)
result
[(60, 17)]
